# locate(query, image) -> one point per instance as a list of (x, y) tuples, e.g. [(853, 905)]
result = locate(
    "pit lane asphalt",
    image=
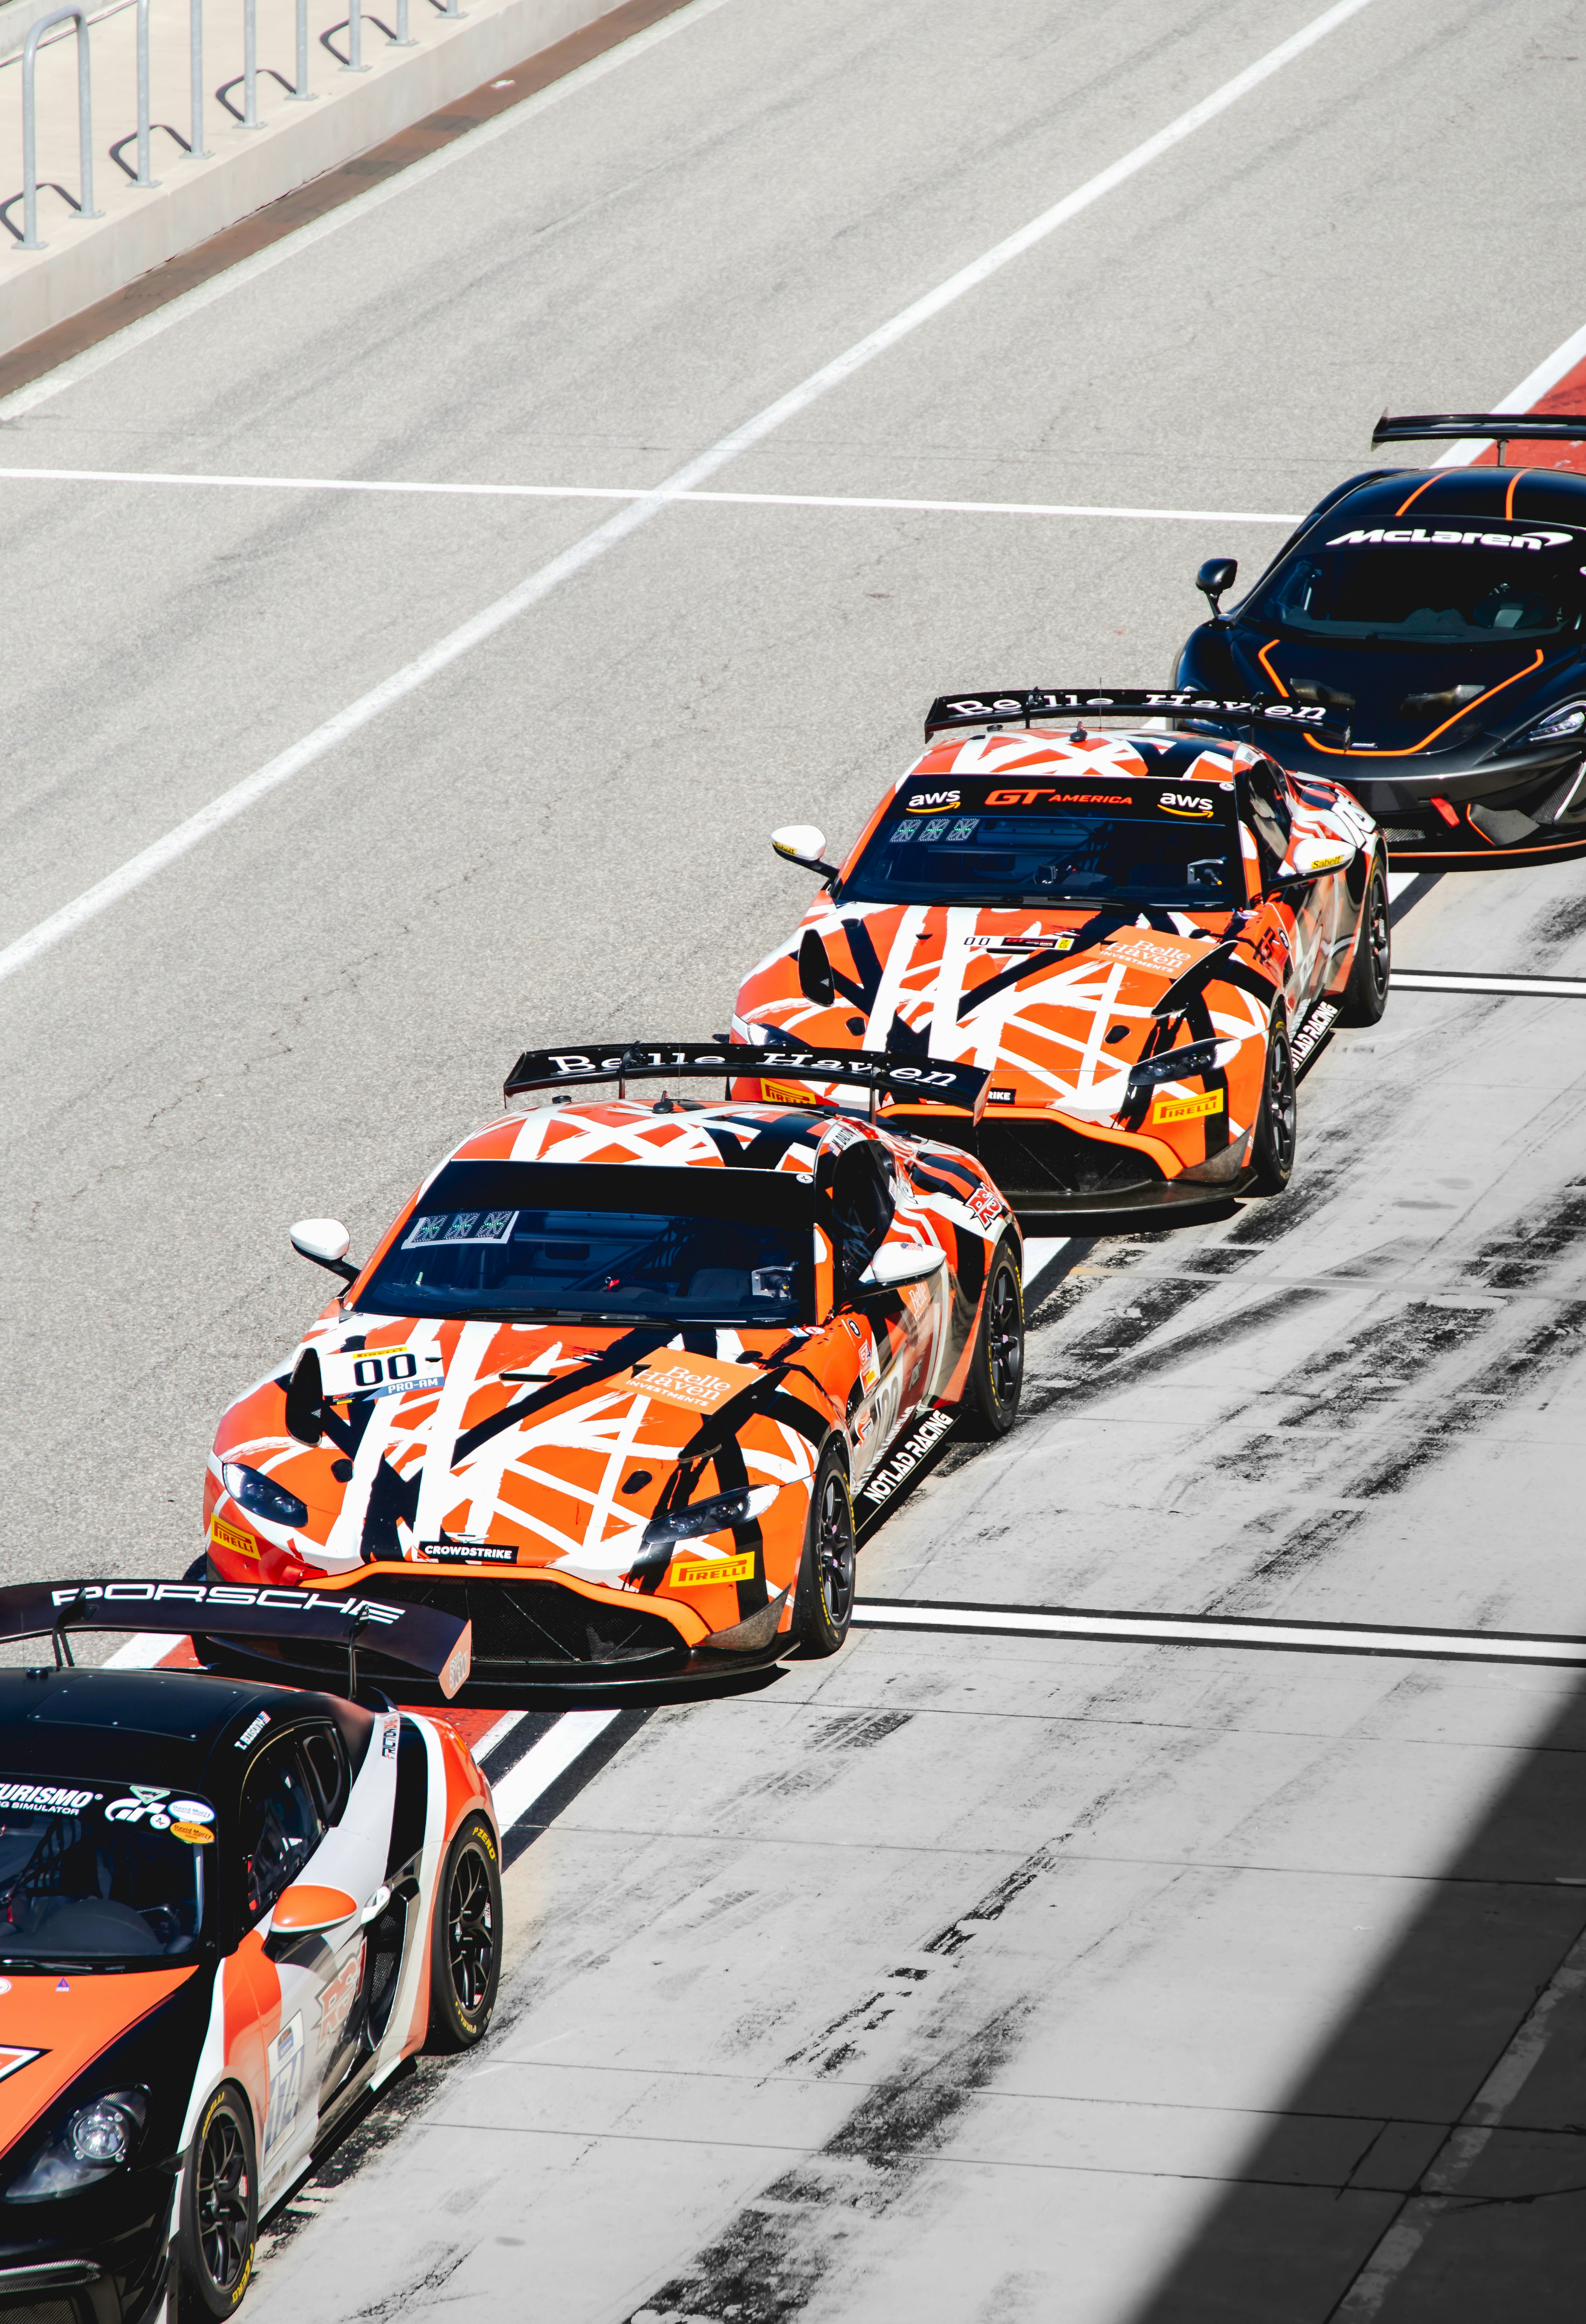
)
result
[(971, 1977)]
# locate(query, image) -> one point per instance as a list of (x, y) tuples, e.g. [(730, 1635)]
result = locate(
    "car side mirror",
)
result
[(303, 1909), (897, 1263), (324, 1241), (1216, 574), (801, 842), (1309, 858)]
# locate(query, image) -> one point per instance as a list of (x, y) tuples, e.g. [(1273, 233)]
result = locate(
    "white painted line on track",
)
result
[(243, 794), (1531, 389), (142, 1651), (1437, 980), (1207, 1630), (1463, 2147), (551, 1757), (417, 173), (497, 1734), (638, 493)]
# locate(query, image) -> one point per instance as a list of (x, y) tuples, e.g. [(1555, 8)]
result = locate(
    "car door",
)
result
[(898, 1333), (1310, 906), (304, 1825)]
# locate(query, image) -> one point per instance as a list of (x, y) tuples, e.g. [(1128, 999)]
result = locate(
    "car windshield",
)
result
[(603, 1242), (1108, 842), (1433, 587), (100, 1875)]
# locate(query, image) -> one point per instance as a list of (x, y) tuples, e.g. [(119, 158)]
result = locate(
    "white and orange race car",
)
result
[(228, 1911), (1137, 937), (613, 1377)]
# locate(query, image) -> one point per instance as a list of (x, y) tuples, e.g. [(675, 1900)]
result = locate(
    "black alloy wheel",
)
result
[(1365, 996), (465, 1955), (996, 1368), (1271, 1159), (219, 2221), (823, 1601)]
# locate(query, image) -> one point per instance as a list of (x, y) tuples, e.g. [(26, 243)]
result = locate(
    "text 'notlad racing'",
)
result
[(1134, 935), (1442, 616)]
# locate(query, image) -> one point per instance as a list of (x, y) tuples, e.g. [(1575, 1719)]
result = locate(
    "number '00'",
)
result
[(371, 1372)]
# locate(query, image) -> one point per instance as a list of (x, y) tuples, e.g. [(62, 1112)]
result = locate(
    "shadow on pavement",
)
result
[(1446, 2113)]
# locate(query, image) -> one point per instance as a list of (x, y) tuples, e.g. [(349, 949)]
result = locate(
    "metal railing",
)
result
[(76, 15), (30, 126)]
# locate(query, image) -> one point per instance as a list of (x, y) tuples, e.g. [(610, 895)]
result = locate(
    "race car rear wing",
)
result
[(1505, 427), (439, 1645), (881, 1072), (1089, 705)]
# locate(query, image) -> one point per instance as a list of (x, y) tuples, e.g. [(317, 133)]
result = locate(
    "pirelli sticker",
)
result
[(232, 1539), (691, 1383), (786, 1094), (1185, 1109), (706, 1572)]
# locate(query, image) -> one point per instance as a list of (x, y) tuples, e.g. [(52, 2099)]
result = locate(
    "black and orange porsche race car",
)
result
[(611, 1380), (228, 1911), (1136, 937), (1443, 613)]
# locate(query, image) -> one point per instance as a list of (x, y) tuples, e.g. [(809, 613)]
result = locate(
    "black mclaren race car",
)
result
[(228, 1911), (1443, 613)]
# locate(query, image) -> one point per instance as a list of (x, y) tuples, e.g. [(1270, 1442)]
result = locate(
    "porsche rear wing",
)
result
[(1503, 427), (1087, 705), (439, 1645), (881, 1072)]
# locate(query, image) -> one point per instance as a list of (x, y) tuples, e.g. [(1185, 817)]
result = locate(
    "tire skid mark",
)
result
[(1509, 1374), (770, 2258)]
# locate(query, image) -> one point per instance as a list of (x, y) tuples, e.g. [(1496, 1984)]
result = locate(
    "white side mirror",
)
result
[(897, 1263), (801, 842), (324, 1241), (1309, 857)]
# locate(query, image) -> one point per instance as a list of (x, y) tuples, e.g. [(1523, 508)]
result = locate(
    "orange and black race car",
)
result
[(610, 1382), (1443, 613), (228, 1911), (1137, 937)]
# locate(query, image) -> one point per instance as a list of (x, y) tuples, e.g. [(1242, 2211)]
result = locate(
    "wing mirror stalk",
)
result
[(1216, 575), (324, 1241), (897, 1264), (802, 843), (1311, 857)]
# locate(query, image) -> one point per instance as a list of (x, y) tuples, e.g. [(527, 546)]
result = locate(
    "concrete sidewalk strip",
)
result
[(241, 171)]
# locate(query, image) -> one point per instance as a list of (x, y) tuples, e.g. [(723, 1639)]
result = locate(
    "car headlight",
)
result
[(261, 1498), (1173, 1066), (96, 2139), (714, 1516), (1568, 718)]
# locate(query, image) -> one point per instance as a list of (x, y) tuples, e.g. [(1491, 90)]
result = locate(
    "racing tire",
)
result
[(465, 1949), (218, 2224), (823, 1600), (1365, 996), (996, 1368), (1272, 1154)]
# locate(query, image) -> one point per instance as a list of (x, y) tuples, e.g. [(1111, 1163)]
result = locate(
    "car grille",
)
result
[(541, 1627), (1041, 1158)]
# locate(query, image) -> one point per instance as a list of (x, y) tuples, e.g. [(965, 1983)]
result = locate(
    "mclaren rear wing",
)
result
[(883, 1073), (438, 1646), (1087, 705), (1503, 427)]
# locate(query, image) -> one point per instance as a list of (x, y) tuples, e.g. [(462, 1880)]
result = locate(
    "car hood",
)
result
[(52, 2027), (1414, 699), (544, 1445), (1030, 996)]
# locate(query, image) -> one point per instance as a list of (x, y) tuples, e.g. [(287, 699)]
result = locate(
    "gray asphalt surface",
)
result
[(959, 1978)]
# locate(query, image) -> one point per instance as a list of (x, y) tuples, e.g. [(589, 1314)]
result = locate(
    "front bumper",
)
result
[(1044, 1167), (86, 2266), (530, 1631)]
